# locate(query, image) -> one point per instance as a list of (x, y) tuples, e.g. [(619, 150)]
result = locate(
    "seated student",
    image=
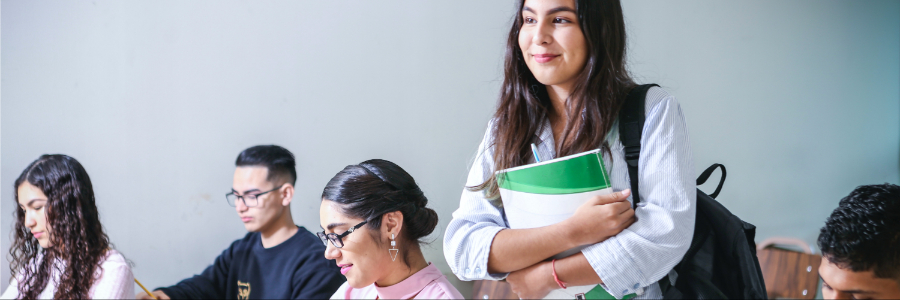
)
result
[(56, 210), (374, 214), (276, 259), (860, 245)]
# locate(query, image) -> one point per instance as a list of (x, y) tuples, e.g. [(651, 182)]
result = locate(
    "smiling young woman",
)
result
[(57, 211), (564, 83), (374, 216)]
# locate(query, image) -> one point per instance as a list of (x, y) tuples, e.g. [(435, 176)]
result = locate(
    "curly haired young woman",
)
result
[(60, 250)]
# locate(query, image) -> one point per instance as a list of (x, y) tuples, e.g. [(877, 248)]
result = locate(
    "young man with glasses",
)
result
[(276, 259)]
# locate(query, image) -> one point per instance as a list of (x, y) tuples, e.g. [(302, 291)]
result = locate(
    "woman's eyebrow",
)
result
[(560, 9), (333, 225), (551, 11), (30, 202)]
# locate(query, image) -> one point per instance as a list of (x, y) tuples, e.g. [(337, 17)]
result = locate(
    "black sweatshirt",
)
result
[(294, 269)]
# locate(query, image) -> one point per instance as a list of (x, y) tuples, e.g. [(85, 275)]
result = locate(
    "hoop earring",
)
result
[(393, 251)]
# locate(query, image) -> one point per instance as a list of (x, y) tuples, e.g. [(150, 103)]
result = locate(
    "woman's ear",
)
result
[(392, 223)]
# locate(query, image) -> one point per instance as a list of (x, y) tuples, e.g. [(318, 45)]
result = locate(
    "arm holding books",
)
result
[(478, 243), (645, 252), (536, 281), (596, 220)]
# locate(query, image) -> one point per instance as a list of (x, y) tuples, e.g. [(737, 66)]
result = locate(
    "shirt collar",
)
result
[(411, 286), (545, 142)]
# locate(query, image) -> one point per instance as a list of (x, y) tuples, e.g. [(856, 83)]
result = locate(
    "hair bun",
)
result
[(421, 220), (422, 223)]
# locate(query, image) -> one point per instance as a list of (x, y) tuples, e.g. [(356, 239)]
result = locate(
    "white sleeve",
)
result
[(467, 241), (12, 291), (115, 281), (647, 250)]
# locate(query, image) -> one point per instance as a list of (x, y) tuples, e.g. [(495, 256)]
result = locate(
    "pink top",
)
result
[(428, 283)]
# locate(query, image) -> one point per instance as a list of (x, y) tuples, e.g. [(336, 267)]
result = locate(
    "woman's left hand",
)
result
[(533, 282)]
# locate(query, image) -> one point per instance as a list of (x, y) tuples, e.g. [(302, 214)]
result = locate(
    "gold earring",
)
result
[(393, 251)]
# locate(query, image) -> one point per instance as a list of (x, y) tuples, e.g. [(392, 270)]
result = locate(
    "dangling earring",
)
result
[(393, 249)]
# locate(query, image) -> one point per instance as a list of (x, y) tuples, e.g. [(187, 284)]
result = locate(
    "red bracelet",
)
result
[(561, 284)]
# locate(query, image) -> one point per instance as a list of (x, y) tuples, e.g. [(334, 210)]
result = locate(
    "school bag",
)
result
[(721, 262)]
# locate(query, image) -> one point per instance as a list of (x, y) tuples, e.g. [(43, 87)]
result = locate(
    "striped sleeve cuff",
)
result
[(476, 266), (618, 271)]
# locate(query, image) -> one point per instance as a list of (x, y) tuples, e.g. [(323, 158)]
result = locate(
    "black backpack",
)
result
[(721, 261)]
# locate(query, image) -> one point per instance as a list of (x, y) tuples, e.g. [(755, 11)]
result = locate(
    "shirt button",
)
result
[(624, 292), (468, 271), (478, 271), (636, 286)]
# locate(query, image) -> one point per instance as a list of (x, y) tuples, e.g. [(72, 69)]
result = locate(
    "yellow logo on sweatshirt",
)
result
[(243, 290)]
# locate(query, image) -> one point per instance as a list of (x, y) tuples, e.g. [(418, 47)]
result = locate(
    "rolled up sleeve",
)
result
[(467, 241)]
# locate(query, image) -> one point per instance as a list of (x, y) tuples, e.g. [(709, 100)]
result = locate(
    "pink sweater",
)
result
[(428, 283)]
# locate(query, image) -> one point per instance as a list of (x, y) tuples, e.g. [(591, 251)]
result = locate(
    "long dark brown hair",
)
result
[(591, 107), (76, 235)]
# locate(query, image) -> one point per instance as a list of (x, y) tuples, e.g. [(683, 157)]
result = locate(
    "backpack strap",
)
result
[(631, 126), (705, 175)]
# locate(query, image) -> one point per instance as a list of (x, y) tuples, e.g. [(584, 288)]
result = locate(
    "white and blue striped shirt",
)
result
[(635, 259)]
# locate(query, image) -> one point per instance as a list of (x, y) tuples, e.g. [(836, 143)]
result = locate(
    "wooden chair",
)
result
[(492, 289), (789, 274)]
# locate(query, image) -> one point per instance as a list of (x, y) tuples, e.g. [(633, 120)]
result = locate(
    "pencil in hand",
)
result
[(145, 289)]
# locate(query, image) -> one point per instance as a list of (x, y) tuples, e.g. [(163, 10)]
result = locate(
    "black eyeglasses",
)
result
[(249, 200), (338, 239)]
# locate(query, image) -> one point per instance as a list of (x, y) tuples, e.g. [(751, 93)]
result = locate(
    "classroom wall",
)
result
[(799, 99)]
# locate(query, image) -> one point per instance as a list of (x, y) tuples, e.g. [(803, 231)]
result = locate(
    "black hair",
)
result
[(278, 160), (376, 187), (863, 233)]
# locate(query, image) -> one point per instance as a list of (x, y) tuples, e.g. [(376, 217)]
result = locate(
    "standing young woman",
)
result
[(60, 250), (374, 217), (565, 81)]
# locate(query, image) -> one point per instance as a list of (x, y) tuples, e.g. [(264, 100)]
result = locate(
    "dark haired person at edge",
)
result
[(276, 259), (56, 211), (565, 81), (860, 245), (374, 217)]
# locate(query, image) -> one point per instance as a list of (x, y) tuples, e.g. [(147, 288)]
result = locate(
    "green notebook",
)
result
[(549, 192)]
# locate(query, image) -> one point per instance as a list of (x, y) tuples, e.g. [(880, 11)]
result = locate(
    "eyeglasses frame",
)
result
[(245, 201), (325, 237)]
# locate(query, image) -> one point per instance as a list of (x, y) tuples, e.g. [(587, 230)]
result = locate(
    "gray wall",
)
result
[(799, 99)]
